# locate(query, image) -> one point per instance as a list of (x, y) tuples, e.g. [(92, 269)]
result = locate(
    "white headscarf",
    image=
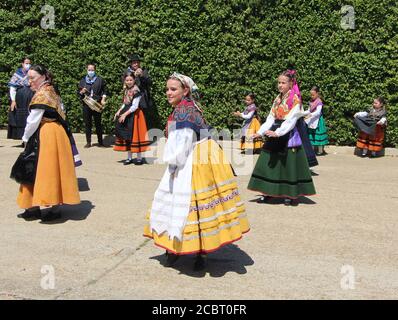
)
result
[(186, 81)]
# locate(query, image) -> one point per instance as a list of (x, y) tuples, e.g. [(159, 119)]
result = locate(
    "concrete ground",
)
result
[(340, 244)]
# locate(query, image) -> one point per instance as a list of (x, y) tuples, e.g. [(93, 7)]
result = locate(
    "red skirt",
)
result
[(140, 141)]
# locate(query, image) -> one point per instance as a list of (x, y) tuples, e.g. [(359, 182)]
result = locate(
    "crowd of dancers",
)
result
[(197, 207)]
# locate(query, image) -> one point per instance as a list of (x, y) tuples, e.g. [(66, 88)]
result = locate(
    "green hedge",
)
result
[(228, 49)]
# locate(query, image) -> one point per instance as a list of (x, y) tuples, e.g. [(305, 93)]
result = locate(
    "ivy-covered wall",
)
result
[(228, 47)]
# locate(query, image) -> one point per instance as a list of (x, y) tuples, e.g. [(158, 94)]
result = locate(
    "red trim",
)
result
[(283, 196), (197, 251)]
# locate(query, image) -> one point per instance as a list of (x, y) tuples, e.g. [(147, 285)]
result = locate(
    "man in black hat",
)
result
[(142, 80)]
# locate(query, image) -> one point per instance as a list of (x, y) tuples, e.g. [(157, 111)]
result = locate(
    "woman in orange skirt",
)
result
[(131, 128), (55, 182)]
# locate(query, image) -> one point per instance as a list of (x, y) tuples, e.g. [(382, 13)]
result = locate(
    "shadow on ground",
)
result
[(229, 258), (71, 212), (83, 184), (280, 201)]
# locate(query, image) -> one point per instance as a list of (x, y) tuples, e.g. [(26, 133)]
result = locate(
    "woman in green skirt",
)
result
[(317, 131), (282, 169)]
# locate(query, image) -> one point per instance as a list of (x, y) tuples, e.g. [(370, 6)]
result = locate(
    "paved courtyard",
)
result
[(340, 244)]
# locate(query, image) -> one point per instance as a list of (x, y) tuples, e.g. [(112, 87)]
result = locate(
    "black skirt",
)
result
[(125, 130), (17, 117)]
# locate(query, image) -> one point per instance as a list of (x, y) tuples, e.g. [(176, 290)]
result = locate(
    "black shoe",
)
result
[(50, 216), (138, 162), (30, 214), (88, 145), (171, 259), (100, 145), (262, 199), (128, 161), (200, 263), (287, 202)]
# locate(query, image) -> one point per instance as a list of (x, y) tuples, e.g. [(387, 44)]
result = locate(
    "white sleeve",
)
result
[(267, 124), (314, 118), (247, 116), (290, 121), (317, 113), (32, 123), (178, 146), (13, 93), (135, 104), (383, 121), (361, 114)]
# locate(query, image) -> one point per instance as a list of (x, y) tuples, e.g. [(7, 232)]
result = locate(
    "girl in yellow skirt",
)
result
[(251, 125), (55, 182), (131, 129), (197, 206)]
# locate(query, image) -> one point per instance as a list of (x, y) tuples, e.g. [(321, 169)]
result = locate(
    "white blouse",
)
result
[(32, 123)]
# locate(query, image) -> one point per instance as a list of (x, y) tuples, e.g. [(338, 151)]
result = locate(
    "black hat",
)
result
[(134, 57)]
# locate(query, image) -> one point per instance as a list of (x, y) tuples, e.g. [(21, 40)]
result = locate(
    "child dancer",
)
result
[(317, 131), (130, 124), (372, 126), (197, 206), (282, 169), (251, 125)]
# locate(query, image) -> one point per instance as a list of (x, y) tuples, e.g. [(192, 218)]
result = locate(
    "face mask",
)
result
[(27, 66), (91, 73)]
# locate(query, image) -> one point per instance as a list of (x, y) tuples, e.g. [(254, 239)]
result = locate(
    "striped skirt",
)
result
[(140, 141), (371, 142), (217, 214), (282, 175), (257, 143), (319, 136)]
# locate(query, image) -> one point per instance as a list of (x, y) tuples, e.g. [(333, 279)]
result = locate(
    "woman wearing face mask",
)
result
[(20, 95), (93, 86), (55, 180)]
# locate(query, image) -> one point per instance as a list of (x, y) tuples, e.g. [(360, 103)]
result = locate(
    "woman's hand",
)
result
[(255, 136), (271, 134), (236, 113), (138, 72), (83, 91), (122, 118), (13, 105)]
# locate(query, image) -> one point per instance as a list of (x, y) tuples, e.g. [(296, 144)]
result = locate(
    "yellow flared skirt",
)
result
[(55, 181), (217, 214), (251, 144)]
